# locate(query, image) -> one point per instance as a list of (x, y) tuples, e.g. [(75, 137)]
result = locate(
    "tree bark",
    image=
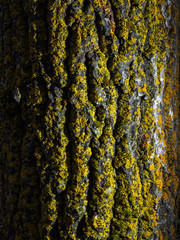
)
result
[(89, 119)]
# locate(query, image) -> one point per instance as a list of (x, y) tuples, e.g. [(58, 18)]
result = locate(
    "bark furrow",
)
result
[(89, 119)]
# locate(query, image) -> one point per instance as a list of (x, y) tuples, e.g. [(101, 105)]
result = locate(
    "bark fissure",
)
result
[(89, 122)]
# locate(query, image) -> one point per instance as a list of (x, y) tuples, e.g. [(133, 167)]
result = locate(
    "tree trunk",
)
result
[(89, 119)]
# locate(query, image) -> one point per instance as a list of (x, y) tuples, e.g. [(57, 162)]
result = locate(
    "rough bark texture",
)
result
[(89, 119)]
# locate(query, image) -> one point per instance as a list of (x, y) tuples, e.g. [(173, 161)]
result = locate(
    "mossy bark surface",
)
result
[(89, 119)]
